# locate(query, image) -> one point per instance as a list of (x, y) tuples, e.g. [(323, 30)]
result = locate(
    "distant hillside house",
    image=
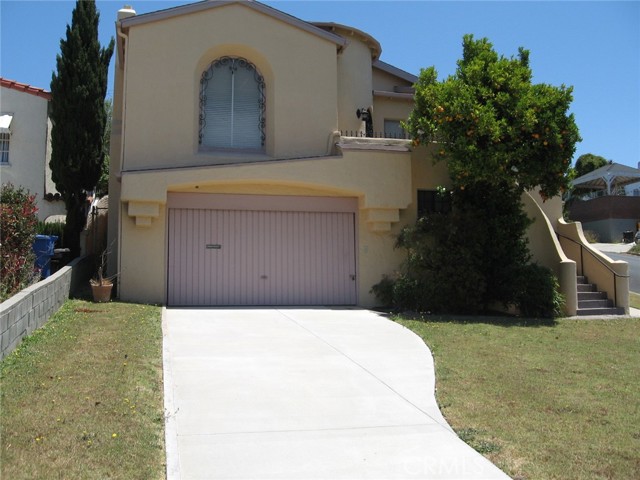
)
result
[(25, 144), (608, 202)]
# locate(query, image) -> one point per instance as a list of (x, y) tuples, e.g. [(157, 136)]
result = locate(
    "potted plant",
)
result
[(101, 285)]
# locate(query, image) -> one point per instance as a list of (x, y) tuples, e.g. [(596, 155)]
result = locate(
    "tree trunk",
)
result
[(77, 208)]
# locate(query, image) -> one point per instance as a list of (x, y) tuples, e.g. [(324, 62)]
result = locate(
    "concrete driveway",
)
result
[(304, 393)]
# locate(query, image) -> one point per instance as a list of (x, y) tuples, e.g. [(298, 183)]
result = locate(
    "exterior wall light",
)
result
[(364, 114)]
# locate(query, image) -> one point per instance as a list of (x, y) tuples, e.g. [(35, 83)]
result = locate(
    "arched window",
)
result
[(232, 105)]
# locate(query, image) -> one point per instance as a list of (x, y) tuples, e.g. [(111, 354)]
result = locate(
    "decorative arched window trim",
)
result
[(234, 63)]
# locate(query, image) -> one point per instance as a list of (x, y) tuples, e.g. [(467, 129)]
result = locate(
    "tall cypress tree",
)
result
[(77, 112)]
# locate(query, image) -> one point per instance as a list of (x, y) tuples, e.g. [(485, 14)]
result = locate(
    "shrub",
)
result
[(56, 229), (591, 236), (539, 294), (383, 291), (407, 295), (18, 223), (468, 260)]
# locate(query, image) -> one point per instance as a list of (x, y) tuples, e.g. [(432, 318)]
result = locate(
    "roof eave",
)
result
[(395, 71), (612, 170), (25, 88), (210, 4), (372, 43)]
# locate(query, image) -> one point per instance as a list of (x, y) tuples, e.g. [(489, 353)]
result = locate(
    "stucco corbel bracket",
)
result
[(143, 212), (380, 219)]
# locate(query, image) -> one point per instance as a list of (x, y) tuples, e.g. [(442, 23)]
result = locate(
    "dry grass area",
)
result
[(542, 401), (82, 397)]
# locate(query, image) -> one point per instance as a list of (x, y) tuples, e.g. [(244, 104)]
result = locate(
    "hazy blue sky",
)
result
[(593, 46)]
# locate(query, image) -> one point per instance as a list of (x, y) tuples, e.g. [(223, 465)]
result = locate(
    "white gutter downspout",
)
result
[(123, 13)]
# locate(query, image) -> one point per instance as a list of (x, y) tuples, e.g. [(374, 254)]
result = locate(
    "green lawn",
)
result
[(544, 401), (634, 299), (82, 397)]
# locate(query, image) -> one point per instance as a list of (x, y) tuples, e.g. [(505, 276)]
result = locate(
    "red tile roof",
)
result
[(23, 87)]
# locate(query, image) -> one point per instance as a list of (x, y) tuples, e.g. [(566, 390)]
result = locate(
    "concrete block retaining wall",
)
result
[(28, 310)]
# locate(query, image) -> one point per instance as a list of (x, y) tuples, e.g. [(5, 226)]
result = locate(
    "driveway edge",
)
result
[(170, 423)]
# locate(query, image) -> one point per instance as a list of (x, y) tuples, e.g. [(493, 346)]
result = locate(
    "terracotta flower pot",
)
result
[(101, 293)]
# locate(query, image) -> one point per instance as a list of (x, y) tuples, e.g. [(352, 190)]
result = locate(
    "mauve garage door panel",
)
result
[(253, 257)]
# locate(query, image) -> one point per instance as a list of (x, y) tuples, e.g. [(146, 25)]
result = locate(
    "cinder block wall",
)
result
[(32, 307)]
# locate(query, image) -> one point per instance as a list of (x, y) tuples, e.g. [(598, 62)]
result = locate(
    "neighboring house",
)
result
[(606, 204), (244, 168), (633, 190), (25, 144)]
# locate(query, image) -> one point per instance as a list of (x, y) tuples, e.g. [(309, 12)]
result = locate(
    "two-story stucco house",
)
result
[(25, 144), (258, 159)]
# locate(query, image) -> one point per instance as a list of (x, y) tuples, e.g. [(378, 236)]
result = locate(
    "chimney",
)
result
[(126, 12)]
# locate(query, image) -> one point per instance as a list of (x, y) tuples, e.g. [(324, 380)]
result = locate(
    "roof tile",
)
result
[(23, 87)]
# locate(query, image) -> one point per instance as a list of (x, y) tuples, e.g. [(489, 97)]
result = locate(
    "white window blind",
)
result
[(232, 105), (4, 147)]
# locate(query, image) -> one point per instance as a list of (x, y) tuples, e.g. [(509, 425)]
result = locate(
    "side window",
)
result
[(393, 129), (4, 148), (232, 106), (5, 137), (430, 201)]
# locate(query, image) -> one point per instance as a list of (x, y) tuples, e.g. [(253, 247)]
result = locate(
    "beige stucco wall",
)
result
[(595, 265), (355, 171), (312, 90), (355, 86), (426, 174), (385, 182), (146, 246), (380, 180), (385, 81), (551, 207), (165, 61), (29, 148), (546, 249), (142, 268), (378, 255), (386, 108)]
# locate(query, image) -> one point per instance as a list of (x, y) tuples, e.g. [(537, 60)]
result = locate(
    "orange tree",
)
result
[(500, 135), (493, 124)]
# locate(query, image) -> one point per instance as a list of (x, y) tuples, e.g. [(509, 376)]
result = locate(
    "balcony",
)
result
[(359, 140)]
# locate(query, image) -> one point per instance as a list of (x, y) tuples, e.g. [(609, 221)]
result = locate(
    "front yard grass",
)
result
[(542, 401), (82, 396), (634, 299)]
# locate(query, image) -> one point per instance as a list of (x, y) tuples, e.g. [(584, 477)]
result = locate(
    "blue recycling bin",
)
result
[(43, 247)]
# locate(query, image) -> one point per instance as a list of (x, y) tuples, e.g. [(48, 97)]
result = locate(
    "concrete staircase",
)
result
[(592, 302)]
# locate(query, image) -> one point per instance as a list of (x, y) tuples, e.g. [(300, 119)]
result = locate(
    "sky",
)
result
[(593, 46)]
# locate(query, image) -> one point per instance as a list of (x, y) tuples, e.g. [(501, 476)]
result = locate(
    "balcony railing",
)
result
[(618, 192), (362, 134)]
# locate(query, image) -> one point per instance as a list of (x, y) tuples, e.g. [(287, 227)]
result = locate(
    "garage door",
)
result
[(261, 250)]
